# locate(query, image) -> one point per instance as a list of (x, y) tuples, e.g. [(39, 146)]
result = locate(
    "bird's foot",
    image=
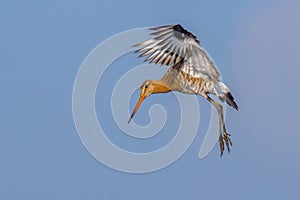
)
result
[(227, 141), (226, 138)]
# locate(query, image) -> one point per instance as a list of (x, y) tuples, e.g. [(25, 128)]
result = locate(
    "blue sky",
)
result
[(255, 45)]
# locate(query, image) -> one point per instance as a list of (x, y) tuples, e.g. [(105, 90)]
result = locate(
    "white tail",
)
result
[(224, 94)]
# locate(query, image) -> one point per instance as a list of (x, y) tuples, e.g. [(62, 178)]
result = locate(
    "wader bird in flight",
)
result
[(191, 71)]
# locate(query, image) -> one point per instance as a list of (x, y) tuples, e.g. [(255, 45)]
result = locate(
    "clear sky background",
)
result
[(256, 46)]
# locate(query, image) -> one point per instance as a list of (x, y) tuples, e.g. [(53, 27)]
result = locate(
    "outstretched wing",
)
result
[(172, 44)]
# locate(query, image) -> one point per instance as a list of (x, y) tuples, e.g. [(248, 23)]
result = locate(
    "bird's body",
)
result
[(191, 71), (180, 81)]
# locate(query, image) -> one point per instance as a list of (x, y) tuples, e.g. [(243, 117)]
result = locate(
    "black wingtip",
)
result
[(178, 28)]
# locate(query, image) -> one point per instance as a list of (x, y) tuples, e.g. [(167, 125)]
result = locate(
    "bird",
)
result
[(191, 71)]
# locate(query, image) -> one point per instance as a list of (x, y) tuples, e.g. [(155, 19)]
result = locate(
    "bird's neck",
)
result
[(159, 86)]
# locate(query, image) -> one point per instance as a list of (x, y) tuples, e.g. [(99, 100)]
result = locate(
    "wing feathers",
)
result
[(172, 44)]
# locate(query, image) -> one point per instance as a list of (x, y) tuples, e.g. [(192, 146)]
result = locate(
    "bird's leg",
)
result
[(224, 136), (221, 137)]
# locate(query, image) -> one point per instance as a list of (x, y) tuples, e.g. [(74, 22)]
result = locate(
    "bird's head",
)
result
[(146, 89)]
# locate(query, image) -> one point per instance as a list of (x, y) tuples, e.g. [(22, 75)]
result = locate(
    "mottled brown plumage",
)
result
[(191, 71)]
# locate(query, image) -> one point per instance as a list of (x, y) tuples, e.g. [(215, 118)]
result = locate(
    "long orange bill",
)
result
[(142, 97)]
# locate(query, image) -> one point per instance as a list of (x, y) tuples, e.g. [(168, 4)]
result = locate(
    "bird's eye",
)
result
[(146, 86)]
